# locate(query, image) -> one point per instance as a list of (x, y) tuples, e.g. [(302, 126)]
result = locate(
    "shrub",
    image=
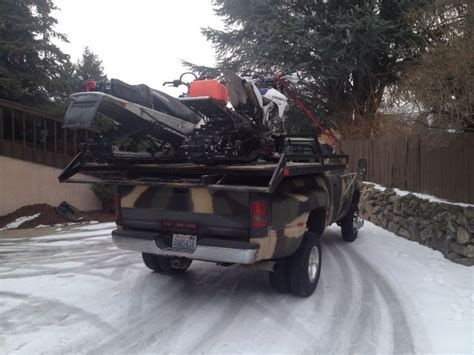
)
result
[(106, 194)]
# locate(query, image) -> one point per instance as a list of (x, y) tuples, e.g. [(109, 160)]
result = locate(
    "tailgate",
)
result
[(186, 210)]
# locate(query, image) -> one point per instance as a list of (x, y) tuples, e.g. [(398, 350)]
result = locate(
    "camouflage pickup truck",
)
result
[(270, 215)]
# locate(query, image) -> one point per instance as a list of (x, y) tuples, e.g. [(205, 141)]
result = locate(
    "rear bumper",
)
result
[(215, 250)]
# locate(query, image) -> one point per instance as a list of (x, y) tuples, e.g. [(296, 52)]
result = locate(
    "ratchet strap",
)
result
[(302, 105)]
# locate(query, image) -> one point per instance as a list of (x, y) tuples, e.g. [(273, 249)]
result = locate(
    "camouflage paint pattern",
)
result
[(288, 208), (194, 200)]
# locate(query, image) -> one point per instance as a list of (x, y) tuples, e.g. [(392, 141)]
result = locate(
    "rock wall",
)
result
[(440, 226)]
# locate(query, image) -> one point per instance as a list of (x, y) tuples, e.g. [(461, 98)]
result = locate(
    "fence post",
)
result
[(12, 144), (34, 140), (2, 133), (45, 136), (24, 134), (65, 149), (55, 158), (418, 160)]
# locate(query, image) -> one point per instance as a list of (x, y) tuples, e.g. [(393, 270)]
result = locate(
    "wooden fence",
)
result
[(437, 164), (36, 136)]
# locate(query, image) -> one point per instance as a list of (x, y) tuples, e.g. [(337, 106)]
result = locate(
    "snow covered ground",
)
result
[(73, 291)]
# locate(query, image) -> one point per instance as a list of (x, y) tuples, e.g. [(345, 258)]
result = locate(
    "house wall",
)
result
[(24, 183)]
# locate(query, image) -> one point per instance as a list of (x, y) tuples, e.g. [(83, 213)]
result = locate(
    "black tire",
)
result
[(280, 277), (301, 282), (165, 264), (349, 233)]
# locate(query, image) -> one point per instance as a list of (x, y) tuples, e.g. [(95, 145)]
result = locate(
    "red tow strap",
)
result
[(302, 105)]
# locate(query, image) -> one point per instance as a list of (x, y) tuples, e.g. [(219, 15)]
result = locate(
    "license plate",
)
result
[(184, 242)]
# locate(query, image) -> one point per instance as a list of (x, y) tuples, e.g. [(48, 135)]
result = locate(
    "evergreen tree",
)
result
[(90, 67), (346, 51), (68, 81), (29, 61), (73, 77)]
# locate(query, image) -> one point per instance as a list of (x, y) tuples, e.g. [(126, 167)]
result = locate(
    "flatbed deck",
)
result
[(213, 177), (191, 169)]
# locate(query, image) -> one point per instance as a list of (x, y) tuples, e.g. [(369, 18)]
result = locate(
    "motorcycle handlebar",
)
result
[(180, 81)]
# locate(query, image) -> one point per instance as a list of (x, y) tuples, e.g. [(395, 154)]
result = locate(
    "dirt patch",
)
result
[(49, 217)]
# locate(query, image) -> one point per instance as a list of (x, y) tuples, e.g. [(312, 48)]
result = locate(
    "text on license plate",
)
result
[(184, 241)]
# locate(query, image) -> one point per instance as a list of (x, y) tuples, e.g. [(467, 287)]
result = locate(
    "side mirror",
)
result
[(362, 167)]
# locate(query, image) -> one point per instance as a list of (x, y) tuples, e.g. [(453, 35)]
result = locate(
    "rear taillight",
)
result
[(118, 206), (259, 214)]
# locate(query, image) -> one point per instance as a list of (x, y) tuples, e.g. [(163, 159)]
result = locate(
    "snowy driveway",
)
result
[(75, 292)]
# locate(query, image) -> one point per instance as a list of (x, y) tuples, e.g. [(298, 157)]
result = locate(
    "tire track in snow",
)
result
[(155, 319), (365, 331), (36, 258), (140, 323), (228, 312), (53, 312), (87, 267), (345, 309), (402, 335)]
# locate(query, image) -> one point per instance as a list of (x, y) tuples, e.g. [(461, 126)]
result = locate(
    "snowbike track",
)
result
[(86, 296)]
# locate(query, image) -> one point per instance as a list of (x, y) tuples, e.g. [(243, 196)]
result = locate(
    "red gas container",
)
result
[(212, 88)]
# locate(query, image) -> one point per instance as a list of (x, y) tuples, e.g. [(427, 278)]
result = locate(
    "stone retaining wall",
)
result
[(441, 226)]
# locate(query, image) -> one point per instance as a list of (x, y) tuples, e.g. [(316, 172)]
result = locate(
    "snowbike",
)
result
[(226, 121)]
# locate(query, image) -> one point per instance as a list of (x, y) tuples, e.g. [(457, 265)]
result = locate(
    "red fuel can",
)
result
[(211, 88)]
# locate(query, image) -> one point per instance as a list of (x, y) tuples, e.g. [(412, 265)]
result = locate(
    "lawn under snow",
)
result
[(74, 292)]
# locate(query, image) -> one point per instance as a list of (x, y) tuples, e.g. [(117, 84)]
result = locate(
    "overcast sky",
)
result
[(139, 41)]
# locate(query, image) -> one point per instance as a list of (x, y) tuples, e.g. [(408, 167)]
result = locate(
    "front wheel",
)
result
[(350, 224), (166, 264), (305, 266)]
